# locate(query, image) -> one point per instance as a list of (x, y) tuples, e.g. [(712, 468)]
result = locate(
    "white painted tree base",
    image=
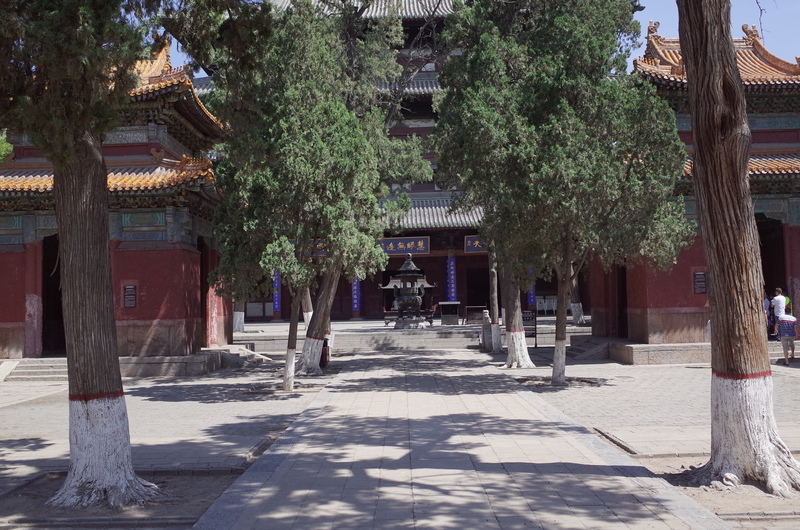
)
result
[(559, 377), (745, 444), (578, 318), (309, 359), (238, 321), (288, 370), (497, 339), (518, 356), (100, 467), (307, 317)]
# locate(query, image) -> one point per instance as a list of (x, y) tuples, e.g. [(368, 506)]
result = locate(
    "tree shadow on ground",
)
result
[(445, 471)]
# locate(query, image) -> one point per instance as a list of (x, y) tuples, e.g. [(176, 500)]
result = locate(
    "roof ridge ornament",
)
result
[(751, 34), (652, 32)]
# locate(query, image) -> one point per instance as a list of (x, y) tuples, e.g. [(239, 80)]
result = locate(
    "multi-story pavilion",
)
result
[(162, 195), (672, 307)]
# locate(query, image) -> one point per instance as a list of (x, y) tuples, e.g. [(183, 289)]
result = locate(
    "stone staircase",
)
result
[(390, 339), (41, 369), (587, 347)]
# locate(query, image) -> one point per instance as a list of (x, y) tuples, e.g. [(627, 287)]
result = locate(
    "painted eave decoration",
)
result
[(168, 175), (159, 81), (663, 64)]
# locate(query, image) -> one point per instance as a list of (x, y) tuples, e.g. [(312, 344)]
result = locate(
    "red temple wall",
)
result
[(12, 309), (167, 319), (663, 306)]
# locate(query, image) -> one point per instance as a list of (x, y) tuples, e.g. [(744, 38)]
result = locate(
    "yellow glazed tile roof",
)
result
[(763, 166), (157, 77), (170, 174), (663, 62)]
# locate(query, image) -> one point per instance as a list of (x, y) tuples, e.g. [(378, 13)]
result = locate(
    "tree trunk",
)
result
[(319, 327), (744, 440), (576, 306), (494, 306), (291, 345), (308, 306), (100, 469), (238, 316), (563, 280), (560, 350), (518, 356)]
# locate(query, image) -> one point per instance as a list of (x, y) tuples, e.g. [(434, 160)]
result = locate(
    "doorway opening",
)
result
[(54, 342)]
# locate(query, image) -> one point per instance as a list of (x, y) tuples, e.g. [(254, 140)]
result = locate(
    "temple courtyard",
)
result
[(417, 438)]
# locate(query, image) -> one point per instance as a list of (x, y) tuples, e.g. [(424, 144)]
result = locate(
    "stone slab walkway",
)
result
[(441, 440)]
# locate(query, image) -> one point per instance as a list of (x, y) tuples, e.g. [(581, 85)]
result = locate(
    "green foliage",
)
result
[(566, 157), (303, 169), (5, 147), (68, 66)]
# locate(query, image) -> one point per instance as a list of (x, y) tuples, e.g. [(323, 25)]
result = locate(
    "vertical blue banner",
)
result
[(532, 292), (276, 291), (355, 295), (452, 296)]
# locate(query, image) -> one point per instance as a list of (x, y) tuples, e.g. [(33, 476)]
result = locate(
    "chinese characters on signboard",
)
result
[(129, 295), (355, 292), (473, 245), (276, 292), (699, 281), (404, 245), (451, 279)]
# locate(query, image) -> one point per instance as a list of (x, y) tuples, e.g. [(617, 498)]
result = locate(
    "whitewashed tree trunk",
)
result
[(518, 356), (578, 318), (100, 470), (563, 279), (497, 338), (291, 346), (744, 440), (743, 449), (308, 306), (319, 327), (576, 306), (238, 317)]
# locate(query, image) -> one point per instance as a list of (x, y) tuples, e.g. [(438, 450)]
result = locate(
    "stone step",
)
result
[(390, 339), (40, 369), (43, 377)]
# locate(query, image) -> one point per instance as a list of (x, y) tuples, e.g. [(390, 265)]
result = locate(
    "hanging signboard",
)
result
[(699, 281), (473, 245), (404, 245), (129, 295)]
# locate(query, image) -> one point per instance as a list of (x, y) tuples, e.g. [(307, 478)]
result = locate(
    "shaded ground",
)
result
[(191, 495), (747, 506)]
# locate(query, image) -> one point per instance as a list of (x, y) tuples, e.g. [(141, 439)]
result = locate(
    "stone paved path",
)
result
[(441, 440)]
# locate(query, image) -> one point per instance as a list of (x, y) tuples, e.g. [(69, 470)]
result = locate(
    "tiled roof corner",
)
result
[(663, 62)]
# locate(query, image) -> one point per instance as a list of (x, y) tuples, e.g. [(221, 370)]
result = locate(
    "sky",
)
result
[(777, 25)]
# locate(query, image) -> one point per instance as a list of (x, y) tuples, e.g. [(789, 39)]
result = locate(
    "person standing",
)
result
[(787, 331), (767, 318), (779, 306)]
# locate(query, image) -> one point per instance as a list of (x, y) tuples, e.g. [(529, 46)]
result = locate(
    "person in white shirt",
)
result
[(779, 305)]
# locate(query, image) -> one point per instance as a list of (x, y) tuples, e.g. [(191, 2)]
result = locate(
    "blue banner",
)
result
[(404, 245), (355, 295), (473, 245), (532, 297), (450, 275), (276, 291)]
